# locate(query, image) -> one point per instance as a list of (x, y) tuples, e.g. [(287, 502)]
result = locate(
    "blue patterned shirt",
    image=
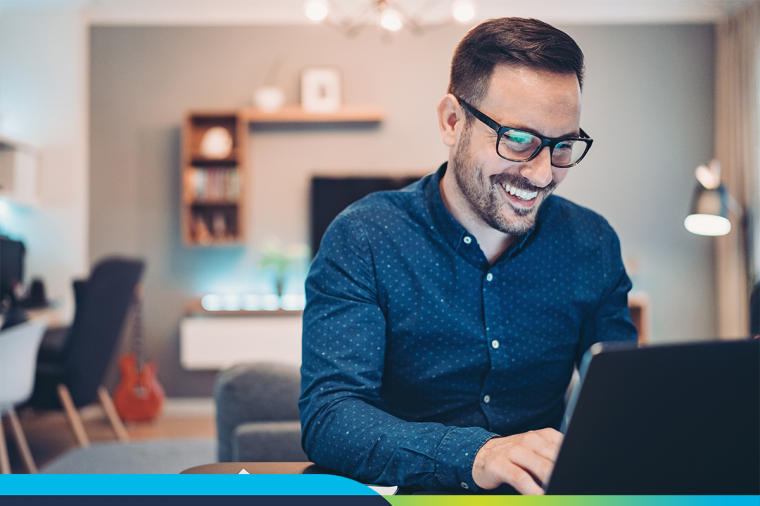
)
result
[(416, 351)]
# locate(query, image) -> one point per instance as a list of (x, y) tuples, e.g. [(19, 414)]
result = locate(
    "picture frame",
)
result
[(320, 89)]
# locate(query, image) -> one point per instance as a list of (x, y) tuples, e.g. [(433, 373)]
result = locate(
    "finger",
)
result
[(551, 435), (547, 447), (521, 480), (537, 465)]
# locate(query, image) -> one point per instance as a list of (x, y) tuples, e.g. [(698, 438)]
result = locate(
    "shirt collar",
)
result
[(452, 231), (450, 228)]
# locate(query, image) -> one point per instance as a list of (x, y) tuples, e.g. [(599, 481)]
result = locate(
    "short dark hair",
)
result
[(511, 41)]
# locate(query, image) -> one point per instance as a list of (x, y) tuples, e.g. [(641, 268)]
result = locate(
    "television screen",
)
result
[(331, 195)]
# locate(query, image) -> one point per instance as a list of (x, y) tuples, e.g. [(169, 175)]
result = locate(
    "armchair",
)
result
[(72, 363)]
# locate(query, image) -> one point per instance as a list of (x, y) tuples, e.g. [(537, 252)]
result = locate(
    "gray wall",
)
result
[(651, 84)]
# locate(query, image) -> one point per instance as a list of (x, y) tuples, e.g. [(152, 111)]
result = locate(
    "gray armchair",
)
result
[(257, 418)]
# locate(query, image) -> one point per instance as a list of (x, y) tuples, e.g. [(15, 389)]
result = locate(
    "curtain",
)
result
[(737, 138)]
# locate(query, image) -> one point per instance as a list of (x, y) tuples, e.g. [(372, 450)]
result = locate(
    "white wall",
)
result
[(44, 67), (650, 81)]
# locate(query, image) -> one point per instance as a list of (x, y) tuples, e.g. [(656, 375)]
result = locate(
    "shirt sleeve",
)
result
[(344, 424), (611, 319)]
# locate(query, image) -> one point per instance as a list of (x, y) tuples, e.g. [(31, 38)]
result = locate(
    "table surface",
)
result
[(287, 468), (258, 468)]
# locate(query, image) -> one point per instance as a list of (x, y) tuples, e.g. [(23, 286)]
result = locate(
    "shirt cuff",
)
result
[(456, 454)]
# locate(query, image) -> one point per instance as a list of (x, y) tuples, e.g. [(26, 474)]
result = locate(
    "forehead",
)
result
[(547, 102)]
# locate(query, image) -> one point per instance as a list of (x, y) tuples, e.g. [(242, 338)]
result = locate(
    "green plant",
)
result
[(280, 258)]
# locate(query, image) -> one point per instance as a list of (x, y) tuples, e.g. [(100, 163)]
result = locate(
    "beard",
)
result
[(486, 197)]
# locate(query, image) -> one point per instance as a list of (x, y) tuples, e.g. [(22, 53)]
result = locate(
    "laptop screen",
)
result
[(668, 419)]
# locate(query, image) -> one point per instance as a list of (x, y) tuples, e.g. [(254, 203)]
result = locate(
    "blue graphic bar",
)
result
[(179, 484)]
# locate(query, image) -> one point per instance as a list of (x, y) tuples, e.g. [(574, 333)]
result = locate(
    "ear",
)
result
[(450, 119)]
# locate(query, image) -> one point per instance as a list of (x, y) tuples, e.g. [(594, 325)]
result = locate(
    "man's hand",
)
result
[(518, 460)]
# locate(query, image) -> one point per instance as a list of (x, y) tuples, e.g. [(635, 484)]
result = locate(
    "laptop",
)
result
[(667, 419)]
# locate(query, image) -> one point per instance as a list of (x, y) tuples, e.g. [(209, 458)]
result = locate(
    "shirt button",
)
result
[(487, 399), (464, 485), (489, 277), (495, 343), (467, 240)]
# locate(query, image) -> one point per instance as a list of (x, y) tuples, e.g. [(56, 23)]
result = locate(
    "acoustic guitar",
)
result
[(139, 396)]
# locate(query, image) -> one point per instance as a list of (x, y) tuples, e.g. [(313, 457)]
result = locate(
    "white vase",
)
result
[(268, 98)]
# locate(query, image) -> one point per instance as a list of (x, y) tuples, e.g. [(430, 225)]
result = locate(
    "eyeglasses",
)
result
[(521, 146)]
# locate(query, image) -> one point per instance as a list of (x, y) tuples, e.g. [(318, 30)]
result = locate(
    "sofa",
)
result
[(257, 416)]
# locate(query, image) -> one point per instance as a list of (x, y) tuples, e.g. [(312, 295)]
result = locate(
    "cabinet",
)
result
[(218, 342), (215, 174), (638, 305)]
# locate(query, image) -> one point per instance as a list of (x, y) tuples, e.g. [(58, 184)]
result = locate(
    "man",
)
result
[(443, 321)]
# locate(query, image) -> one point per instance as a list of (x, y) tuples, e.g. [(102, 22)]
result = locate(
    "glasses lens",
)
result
[(517, 145), (568, 152)]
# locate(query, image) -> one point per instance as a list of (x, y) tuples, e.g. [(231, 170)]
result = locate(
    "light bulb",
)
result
[(316, 10), (463, 10), (707, 224), (270, 302), (251, 302), (212, 302), (231, 302), (390, 19)]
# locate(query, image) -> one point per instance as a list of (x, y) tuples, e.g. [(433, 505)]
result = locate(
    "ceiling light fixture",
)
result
[(387, 14), (316, 10), (391, 20), (463, 10)]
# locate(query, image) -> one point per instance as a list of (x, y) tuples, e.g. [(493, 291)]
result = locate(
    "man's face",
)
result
[(545, 103)]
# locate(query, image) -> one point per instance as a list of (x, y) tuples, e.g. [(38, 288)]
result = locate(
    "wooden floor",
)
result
[(49, 434)]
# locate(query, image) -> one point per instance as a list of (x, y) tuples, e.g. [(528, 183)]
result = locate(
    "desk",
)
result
[(275, 468), (258, 468), (53, 315)]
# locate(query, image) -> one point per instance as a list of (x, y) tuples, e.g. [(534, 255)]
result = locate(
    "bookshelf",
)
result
[(214, 169), (213, 178)]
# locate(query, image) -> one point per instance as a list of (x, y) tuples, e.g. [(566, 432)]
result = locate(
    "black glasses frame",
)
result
[(545, 141)]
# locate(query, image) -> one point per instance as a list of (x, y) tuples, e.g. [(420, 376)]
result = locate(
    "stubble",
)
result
[(486, 198)]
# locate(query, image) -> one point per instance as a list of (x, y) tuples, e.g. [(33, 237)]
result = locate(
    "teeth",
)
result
[(521, 194)]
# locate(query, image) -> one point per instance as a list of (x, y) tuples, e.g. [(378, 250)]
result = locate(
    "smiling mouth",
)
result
[(523, 195)]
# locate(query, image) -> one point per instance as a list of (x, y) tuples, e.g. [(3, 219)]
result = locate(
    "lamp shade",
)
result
[(709, 212)]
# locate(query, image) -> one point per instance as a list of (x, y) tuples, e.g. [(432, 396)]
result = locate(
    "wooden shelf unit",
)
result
[(213, 190), (294, 114)]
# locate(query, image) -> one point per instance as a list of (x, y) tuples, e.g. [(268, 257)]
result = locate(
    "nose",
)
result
[(539, 170)]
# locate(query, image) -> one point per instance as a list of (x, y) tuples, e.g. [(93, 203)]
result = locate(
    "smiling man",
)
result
[(443, 321)]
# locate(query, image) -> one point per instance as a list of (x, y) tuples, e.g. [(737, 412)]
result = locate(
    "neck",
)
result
[(493, 242)]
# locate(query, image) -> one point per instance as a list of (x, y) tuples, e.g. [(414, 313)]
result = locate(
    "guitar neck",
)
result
[(137, 333)]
